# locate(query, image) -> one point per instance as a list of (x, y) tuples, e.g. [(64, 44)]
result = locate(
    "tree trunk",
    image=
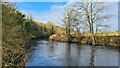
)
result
[(78, 34), (93, 36), (92, 26)]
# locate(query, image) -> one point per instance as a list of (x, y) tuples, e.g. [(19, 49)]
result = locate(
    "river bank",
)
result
[(100, 40), (17, 31)]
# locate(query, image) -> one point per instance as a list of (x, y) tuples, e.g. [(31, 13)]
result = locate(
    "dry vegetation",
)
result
[(17, 32)]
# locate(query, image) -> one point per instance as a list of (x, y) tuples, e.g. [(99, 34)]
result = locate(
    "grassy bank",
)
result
[(102, 38)]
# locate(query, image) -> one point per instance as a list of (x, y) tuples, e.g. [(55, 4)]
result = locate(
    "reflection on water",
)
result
[(64, 54)]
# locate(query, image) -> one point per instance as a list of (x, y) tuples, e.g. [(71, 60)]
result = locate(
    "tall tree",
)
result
[(67, 20), (77, 22), (93, 12)]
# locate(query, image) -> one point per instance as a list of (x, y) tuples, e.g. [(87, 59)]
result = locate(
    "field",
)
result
[(102, 34)]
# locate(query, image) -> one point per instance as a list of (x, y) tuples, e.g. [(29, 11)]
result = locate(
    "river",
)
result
[(46, 53)]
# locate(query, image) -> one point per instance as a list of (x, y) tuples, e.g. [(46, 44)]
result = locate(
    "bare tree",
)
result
[(67, 20), (77, 22), (94, 14)]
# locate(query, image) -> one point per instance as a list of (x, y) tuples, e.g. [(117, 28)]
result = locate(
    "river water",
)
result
[(46, 53)]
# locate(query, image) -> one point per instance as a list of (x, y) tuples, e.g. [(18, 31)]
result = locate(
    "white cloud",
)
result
[(56, 7), (53, 15)]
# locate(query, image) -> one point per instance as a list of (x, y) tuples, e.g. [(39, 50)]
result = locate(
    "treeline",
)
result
[(17, 31)]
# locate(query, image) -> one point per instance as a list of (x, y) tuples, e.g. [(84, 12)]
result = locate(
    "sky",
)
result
[(59, 0), (42, 11), (52, 11)]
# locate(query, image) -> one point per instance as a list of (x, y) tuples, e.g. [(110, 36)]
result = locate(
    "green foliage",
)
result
[(17, 31)]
